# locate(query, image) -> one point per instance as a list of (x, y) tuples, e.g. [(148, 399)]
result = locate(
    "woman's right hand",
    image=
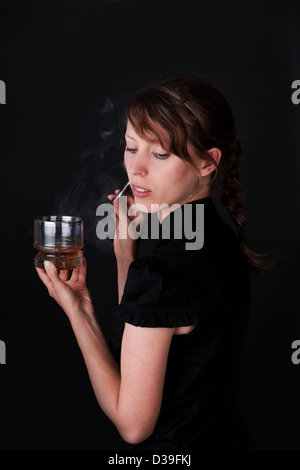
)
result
[(71, 294)]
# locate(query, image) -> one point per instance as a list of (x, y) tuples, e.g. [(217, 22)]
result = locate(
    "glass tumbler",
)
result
[(58, 238)]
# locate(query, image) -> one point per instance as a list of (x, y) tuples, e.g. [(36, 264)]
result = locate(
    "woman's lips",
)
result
[(139, 191)]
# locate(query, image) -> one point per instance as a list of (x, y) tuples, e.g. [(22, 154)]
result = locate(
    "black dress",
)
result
[(209, 288)]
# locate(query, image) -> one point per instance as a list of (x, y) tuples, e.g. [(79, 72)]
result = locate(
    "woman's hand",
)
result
[(126, 247), (72, 295)]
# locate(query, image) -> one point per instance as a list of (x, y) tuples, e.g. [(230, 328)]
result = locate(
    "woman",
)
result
[(168, 378)]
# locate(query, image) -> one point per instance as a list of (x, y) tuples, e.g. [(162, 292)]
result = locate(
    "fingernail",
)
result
[(47, 264)]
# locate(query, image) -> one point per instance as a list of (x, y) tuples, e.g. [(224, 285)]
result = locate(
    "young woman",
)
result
[(168, 377)]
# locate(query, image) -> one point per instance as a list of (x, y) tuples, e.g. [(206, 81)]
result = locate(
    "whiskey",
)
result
[(63, 259)]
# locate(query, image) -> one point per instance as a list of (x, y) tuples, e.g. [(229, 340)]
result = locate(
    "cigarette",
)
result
[(126, 187)]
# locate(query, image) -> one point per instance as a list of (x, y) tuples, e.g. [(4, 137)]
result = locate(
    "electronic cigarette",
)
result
[(123, 191)]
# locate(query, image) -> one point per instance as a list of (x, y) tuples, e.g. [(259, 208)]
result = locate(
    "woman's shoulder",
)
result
[(157, 294)]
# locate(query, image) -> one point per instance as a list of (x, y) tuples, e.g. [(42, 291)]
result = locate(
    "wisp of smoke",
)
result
[(99, 172)]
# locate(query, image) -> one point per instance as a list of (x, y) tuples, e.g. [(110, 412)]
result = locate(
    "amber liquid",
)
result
[(65, 258)]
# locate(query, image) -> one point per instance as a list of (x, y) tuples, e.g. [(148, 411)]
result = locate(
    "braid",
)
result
[(233, 195), (232, 198)]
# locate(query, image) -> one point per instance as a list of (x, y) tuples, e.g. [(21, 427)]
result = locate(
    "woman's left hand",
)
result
[(125, 247)]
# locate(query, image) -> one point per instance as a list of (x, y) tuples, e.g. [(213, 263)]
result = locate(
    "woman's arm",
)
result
[(143, 366), (130, 395), (122, 269), (125, 249)]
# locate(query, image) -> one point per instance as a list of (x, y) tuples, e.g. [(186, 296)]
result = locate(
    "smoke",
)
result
[(98, 173)]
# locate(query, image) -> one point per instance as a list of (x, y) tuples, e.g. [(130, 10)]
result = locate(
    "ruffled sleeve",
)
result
[(157, 294)]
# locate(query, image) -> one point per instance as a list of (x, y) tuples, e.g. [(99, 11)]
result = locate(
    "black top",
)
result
[(210, 288)]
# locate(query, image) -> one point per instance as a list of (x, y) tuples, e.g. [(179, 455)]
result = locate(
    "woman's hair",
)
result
[(187, 109)]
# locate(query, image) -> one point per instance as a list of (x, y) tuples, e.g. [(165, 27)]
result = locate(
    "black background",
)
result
[(69, 67)]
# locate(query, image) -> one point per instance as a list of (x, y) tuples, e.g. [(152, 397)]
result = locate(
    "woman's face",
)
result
[(156, 176)]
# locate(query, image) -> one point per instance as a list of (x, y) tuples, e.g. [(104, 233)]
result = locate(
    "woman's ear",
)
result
[(208, 167)]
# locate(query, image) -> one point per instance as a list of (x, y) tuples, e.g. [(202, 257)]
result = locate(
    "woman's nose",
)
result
[(138, 165)]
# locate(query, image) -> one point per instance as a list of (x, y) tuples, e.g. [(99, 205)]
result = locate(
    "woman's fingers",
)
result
[(122, 211), (130, 199), (56, 284), (49, 277), (64, 274), (112, 196), (74, 275), (51, 271), (81, 272), (44, 278)]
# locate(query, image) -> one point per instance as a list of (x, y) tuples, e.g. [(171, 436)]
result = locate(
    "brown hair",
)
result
[(183, 109)]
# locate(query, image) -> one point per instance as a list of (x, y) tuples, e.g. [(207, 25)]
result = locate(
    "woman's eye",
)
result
[(161, 155), (130, 150)]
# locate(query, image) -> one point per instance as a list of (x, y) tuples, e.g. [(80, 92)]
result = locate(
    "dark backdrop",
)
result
[(69, 67)]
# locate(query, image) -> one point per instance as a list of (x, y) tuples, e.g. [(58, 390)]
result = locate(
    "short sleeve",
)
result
[(157, 294)]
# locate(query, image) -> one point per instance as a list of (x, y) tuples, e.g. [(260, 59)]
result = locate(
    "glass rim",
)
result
[(54, 219)]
